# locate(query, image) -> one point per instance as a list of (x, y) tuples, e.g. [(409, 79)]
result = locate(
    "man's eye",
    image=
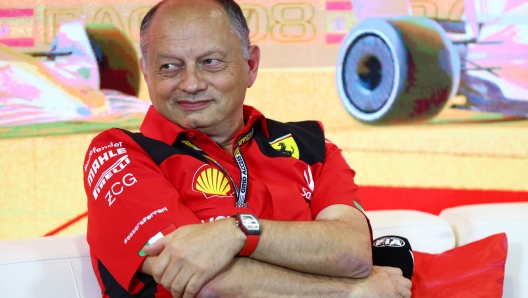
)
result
[(213, 65), (211, 61), (168, 66)]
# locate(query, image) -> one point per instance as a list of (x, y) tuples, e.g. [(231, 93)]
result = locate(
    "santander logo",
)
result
[(307, 194)]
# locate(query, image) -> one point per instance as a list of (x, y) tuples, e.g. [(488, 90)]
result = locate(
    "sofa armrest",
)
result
[(56, 266)]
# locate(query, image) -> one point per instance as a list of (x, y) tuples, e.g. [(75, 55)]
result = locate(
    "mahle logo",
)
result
[(287, 145), (211, 182)]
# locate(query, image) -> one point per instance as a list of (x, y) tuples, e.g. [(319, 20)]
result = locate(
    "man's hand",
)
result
[(186, 259), (385, 282)]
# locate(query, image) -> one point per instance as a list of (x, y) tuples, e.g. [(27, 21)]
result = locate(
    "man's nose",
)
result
[(192, 80)]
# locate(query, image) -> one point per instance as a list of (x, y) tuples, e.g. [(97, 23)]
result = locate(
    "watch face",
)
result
[(249, 222)]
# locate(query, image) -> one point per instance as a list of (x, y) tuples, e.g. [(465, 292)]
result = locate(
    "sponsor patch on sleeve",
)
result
[(158, 236), (359, 207)]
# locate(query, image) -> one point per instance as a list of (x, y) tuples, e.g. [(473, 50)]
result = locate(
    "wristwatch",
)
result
[(250, 225)]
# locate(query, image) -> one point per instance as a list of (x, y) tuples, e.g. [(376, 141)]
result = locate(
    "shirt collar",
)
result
[(157, 127)]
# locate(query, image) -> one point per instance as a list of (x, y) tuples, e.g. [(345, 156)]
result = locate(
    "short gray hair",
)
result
[(238, 26)]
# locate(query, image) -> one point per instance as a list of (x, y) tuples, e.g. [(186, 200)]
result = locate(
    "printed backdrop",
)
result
[(46, 125)]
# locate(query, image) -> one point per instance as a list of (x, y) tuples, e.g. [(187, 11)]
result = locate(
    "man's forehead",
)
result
[(182, 29), (171, 53), (184, 7), (179, 14)]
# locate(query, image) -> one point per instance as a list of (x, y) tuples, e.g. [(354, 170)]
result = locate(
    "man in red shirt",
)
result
[(212, 198)]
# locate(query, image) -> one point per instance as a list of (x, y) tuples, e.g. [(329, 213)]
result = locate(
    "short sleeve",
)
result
[(335, 182), (130, 200)]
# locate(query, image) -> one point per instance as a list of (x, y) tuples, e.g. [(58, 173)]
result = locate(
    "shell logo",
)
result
[(212, 182)]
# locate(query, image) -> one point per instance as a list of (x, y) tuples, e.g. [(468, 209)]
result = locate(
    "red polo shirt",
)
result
[(139, 184)]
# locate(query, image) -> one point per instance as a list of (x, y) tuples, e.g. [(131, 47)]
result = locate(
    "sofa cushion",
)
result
[(474, 222), (471, 270)]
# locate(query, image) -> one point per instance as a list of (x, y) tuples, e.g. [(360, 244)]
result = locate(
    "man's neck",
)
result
[(225, 140)]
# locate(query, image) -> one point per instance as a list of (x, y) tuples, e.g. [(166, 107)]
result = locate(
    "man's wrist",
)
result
[(238, 236), (250, 226)]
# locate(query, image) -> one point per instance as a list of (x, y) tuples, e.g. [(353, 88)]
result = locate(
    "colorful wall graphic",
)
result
[(68, 69)]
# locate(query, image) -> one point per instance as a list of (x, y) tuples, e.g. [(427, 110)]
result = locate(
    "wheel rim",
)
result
[(368, 73)]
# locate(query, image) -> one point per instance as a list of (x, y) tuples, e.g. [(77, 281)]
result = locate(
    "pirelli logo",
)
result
[(212, 183), (117, 167)]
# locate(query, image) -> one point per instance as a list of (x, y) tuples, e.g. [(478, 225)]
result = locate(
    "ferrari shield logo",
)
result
[(286, 144)]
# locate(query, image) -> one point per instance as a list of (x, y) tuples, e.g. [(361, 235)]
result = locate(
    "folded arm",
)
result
[(337, 244), (245, 277)]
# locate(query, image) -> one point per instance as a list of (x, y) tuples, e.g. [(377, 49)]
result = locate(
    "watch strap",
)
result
[(251, 245)]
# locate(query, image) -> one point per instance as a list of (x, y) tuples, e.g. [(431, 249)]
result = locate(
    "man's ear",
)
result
[(143, 70), (253, 63)]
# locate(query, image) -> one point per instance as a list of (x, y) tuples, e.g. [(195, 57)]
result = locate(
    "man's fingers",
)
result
[(403, 290), (157, 247), (403, 285), (159, 267), (194, 286), (407, 283), (188, 282), (179, 282), (395, 284), (154, 249)]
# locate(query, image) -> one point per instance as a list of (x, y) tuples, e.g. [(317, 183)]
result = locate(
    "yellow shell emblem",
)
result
[(287, 145), (212, 181)]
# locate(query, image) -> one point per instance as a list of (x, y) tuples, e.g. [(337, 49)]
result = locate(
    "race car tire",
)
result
[(397, 70), (116, 57)]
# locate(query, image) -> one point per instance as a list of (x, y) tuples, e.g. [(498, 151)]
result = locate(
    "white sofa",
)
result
[(60, 266)]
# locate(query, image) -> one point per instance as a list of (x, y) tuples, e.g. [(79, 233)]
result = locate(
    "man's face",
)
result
[(195, 70)]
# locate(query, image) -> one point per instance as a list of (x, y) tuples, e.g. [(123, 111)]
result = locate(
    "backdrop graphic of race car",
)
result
[(395, 68), (89, 74)]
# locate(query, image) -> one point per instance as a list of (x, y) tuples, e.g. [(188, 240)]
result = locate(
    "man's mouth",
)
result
[(193, 105)]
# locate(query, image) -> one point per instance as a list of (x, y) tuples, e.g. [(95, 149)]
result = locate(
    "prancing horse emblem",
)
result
[(286, 145)]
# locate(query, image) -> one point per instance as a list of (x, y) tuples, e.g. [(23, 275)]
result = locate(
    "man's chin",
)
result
[(195, 124)]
